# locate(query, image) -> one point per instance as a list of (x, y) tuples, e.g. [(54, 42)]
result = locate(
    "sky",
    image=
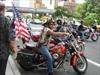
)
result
[(80, 1)]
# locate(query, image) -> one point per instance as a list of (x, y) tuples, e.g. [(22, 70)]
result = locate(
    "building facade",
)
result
[(70, 4)]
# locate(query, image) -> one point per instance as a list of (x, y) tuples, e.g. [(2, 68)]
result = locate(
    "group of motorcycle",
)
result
[(90, 33), (62, 50)]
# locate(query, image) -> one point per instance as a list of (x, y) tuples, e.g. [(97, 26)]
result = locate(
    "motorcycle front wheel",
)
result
[(80, 67)]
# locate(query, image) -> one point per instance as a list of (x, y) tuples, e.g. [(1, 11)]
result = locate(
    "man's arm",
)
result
[(58, 33), (13, 46)]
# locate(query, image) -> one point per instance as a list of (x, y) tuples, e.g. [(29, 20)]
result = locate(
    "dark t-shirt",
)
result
[(81, 28), (5, 35)]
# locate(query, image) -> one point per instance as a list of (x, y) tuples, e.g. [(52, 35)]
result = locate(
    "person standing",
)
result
[(7, 40)]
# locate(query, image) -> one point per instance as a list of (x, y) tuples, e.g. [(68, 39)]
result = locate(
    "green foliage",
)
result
[(27, 17), (77, 15), (89, 11), (61, 11), (89, 20), (80, 10)]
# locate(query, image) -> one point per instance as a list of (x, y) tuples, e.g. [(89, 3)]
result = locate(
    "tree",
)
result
[(61, 11), (93, 6), (89, 20), (81, 10), (89, 11)]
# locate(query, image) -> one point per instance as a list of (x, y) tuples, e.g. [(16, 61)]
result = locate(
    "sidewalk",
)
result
[(11, 67)]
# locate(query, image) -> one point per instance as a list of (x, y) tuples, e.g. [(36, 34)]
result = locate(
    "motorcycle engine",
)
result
[(56, 58), (58, 53)]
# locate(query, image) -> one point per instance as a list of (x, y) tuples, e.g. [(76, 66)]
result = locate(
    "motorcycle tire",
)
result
[(80, 67), (94, 37)]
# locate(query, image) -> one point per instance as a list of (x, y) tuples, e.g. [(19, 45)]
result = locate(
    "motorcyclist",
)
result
[(46, 34), (59, 28), (81, 29)]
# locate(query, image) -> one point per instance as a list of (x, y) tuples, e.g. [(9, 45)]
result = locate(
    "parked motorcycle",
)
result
[(29, 58), (91, 33)]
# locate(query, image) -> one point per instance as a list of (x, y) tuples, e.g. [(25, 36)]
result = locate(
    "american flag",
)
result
[(20, 25)]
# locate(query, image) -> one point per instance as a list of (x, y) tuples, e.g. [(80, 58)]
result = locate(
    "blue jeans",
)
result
[(45, 51), (82, 35)]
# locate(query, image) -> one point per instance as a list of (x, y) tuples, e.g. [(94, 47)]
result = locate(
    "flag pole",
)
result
[(29, 27)]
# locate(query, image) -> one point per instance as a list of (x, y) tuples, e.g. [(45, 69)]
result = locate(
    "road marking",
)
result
[(94, 63)]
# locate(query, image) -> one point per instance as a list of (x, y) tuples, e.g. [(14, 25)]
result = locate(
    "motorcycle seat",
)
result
[(30, 45)]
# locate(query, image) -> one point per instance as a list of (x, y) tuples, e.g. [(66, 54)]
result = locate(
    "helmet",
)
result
[(59, 22)]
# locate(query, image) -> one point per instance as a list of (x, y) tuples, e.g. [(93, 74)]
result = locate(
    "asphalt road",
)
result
[(92, 52)]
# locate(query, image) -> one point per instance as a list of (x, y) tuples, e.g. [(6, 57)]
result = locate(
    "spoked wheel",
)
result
[(94, 37), (80, 66)]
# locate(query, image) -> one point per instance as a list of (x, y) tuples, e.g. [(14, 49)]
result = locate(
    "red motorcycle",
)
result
[(30, 58)]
